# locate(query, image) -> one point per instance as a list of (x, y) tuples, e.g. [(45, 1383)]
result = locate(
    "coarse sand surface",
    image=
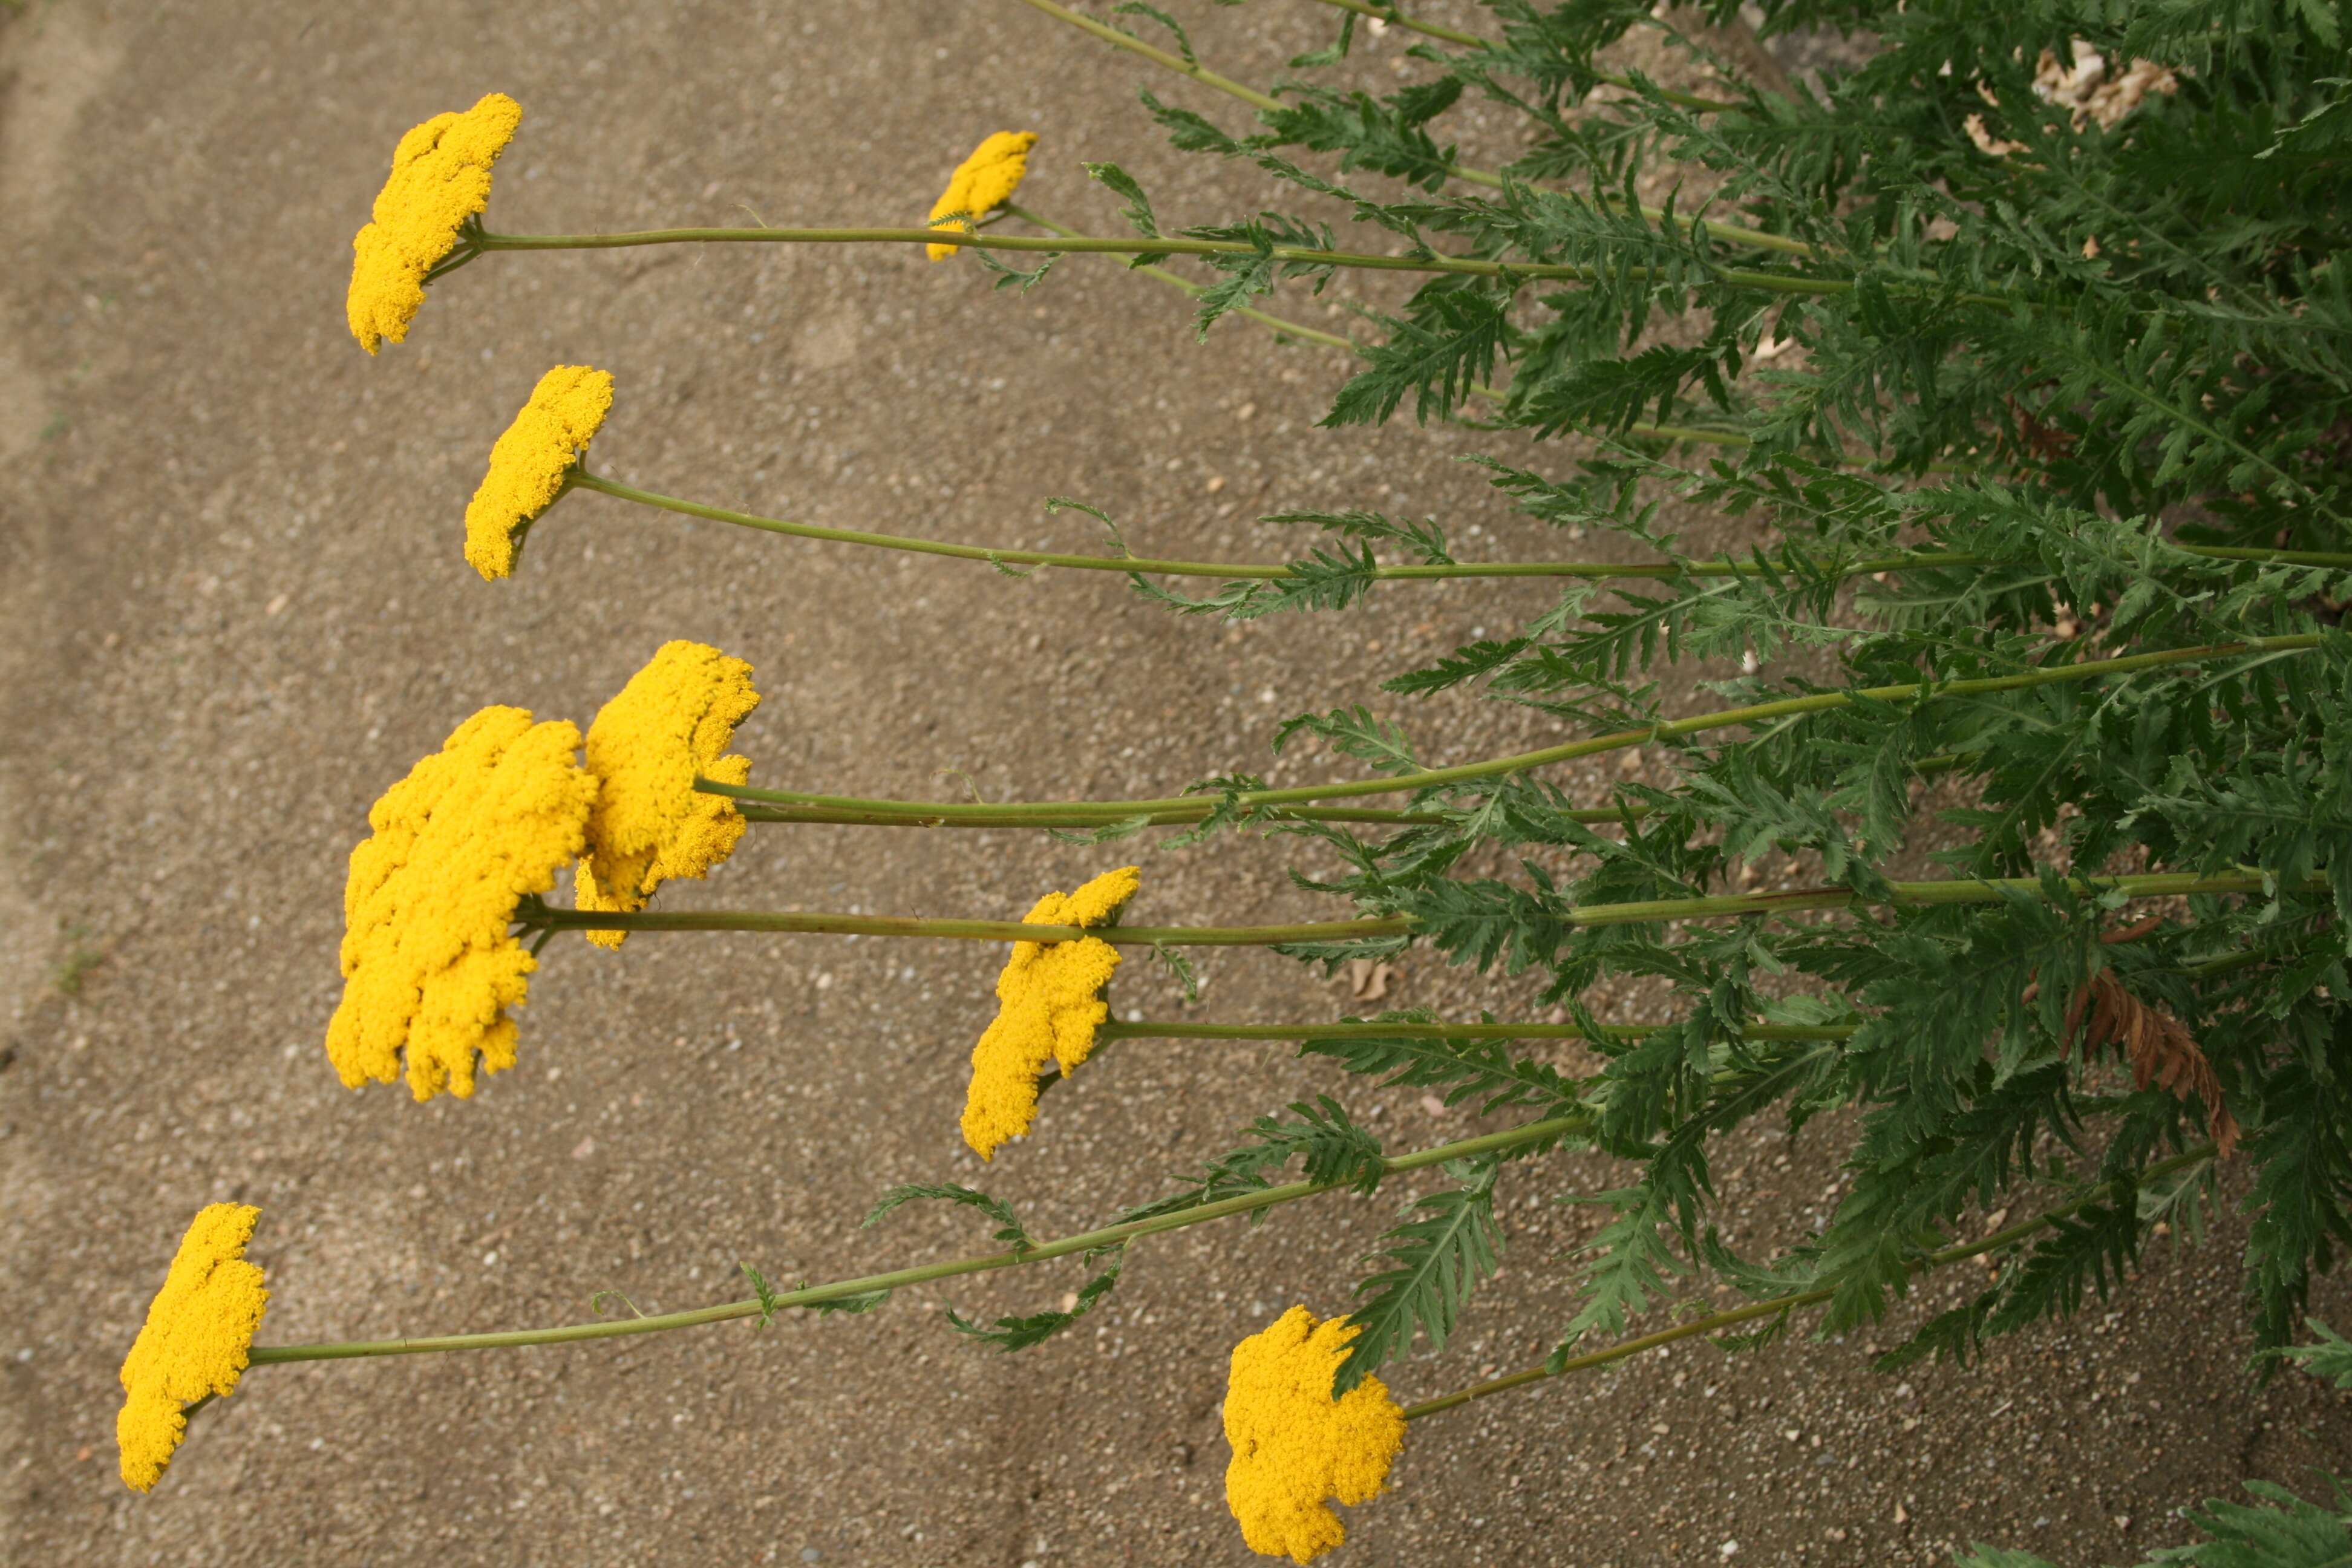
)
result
[(232, 609)]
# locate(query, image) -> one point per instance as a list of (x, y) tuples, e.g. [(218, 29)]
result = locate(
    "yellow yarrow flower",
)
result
[(1294, 1445), (650, 824), (1050, 1004), (429, 967), (199, 1328), (440, 177), (981, 183), (529, 463)]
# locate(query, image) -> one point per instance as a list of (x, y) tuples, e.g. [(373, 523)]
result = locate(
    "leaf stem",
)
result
[(1925, 688), (813, 1295), (1778, 1305)]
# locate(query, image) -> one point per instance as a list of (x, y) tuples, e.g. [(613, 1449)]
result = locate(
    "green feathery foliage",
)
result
[(1330, 1147), (2331, 1358), (2008, 376), (1009, 1229), (1020, 1334), (2283, 1531)]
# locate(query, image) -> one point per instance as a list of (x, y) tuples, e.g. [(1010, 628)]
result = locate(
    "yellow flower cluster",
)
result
[(199, 1328), (1050, 1005), (1294, 1445), (440, 177), (429, 967), (650, 824), (981, 183), (530, 462)]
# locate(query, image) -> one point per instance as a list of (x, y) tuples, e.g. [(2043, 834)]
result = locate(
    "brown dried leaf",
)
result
[(1369, 981), (2159, 1046)]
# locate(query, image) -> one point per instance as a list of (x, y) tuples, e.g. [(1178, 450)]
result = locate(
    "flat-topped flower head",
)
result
[(429, 965), (440, 177), (1294, 1445), (529, 463), (1050, 1004), (669, 723), (199, 1328), (982, 183)]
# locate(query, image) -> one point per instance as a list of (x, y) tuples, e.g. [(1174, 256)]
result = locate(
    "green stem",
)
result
[(793, 805), (813, 1295), (1089, 244), (1692, 433), (1471, 40), (821, 923), (1942, 892), (1178, 281), (1521, 1029), (1274, 572), (1666, 728), (908, 814), (1718, 1322), (1267, 571), (1726, 906), (1170, 1029), (1266, 103)]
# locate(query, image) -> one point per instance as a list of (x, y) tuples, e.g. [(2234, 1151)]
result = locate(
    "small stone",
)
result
[(585, 1147), (811, 1554), (1901, 1517)]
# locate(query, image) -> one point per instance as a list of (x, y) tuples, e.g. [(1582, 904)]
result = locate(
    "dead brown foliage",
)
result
[(2159, 1046)]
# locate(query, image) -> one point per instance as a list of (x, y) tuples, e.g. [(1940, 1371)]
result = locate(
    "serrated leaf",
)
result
[(2331, 1358), (1009, 1228), (1447, 1243), (1138, 8), (1020, 1334), (1138, 210)]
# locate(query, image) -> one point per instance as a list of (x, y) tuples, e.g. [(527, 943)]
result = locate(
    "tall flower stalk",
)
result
[(1927, 688), (544, 918), (1084, 1242)]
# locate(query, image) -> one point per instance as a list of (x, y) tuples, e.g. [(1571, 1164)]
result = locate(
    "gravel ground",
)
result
[(235, 610)]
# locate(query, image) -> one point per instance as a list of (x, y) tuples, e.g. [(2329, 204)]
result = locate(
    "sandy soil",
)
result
[(235, 610)]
